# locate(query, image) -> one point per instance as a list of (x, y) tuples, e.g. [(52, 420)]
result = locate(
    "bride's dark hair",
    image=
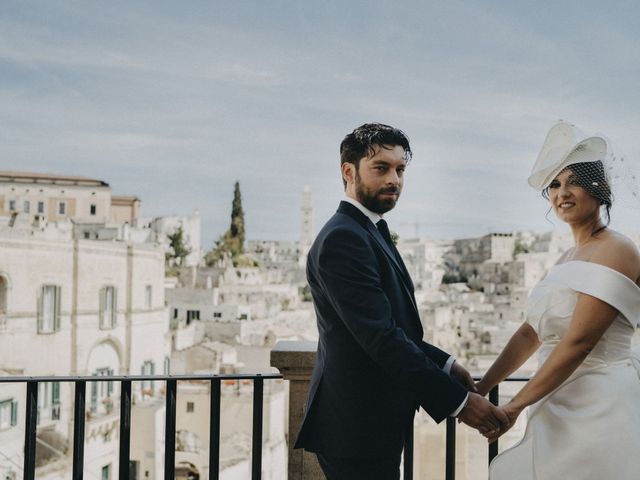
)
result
[(591, 177)]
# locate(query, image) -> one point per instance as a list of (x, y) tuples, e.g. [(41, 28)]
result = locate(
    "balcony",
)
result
[(295, 361)]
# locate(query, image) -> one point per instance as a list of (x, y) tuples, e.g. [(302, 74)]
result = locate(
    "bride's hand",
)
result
[(482, 388), (512, 412)]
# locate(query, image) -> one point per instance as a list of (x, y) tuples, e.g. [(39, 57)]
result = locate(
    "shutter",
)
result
[(94, 396), (102, 306), (167, 366), (114, 309), (152, 385), (55, 393), (110, 383), (56, 318), (143, 371), (40, 301), (14, 413)]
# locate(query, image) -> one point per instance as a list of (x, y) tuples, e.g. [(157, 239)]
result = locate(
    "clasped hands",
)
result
[(480, 413)]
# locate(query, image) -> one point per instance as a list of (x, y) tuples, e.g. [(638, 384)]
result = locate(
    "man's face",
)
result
[(377, 182)]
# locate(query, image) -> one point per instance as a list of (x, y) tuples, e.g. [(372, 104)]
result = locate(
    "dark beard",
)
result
[(370, 199)]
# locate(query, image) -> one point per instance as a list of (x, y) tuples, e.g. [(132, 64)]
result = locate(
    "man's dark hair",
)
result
[(365, 139)]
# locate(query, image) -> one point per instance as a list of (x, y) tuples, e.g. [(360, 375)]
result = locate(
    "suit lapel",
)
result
[(362, 219), (404, 275)]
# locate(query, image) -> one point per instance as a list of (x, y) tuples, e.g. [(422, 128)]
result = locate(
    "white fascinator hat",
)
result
[(566, 145)]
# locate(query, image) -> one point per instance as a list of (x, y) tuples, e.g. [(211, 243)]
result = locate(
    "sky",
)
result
[(175, 101)]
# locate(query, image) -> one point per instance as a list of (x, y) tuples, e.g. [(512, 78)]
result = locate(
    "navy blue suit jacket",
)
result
[(372, 369)]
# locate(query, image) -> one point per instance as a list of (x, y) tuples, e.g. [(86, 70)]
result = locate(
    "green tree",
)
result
[(520, 247), (178, 249), (236, 231), (232, 241)]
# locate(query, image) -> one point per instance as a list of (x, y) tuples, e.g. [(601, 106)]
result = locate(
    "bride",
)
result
[(584, 401)]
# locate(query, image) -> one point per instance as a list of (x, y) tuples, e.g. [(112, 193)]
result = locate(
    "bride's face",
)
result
[(570, 201)]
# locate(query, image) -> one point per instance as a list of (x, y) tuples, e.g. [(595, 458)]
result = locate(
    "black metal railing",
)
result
[(80, 412), (450, 460)]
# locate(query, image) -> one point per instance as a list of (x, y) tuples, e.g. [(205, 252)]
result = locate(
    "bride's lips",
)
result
[(566, 205)]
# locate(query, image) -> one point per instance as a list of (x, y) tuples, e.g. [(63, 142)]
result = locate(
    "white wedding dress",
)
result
[(588, 428)]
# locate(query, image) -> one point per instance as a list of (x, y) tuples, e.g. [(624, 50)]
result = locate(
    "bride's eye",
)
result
[(554, 184)]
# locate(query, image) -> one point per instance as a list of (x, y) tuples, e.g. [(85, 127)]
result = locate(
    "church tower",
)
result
[(306, 225)]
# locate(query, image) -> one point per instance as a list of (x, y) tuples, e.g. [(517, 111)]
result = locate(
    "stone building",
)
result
[(71, 305)]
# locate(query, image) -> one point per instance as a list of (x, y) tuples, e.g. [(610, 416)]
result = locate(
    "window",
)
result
[(106, 472), (101, 392), (12, 205), (175, 313), (62, 208), (92, 209), (167, 365), (190, 407), (43, 395), (134, 467), (148, 368), (8, 414), (217, 314), (192, 315), (48, 401), (55, 401), (107, 307), (40, 207), (148, 296), (49, 309), (26, 206)]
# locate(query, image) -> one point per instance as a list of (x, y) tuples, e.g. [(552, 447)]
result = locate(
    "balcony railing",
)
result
[(450, 462), (296, 366), (80, 411), (295, 360)]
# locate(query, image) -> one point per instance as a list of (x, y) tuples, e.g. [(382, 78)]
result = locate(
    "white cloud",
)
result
[(207, 93)]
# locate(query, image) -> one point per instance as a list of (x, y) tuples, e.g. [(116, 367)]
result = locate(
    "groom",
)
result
[(373, 370)]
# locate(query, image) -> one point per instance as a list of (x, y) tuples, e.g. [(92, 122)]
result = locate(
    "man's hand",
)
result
[(481, 414), (512, 412), (460, 373)]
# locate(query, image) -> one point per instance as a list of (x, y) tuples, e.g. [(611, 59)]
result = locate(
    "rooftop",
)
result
[(48, 178)]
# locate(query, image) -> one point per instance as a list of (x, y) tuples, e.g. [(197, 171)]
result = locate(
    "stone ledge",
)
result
[(294, 358)]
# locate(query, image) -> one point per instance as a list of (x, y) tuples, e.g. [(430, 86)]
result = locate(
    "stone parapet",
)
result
[(295, 360)]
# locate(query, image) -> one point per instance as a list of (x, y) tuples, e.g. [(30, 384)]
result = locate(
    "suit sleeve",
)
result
[(350, 276), (438, 356)]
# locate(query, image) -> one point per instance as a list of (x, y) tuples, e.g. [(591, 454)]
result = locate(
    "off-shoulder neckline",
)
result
[(601, 266)]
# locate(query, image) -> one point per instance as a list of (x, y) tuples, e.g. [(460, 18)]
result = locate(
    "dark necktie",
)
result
[(383, 228)]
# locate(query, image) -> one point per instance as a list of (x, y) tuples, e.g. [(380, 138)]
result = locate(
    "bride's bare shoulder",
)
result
[(619, 252)]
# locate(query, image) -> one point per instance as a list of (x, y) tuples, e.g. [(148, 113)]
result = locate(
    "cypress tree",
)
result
[(232, 241), (236, 231)]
